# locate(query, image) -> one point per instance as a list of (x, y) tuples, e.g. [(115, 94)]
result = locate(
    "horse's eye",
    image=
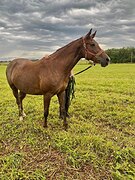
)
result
[(92, 45)]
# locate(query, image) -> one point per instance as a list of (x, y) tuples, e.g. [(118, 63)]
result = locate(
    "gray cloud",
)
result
[(32, 28)]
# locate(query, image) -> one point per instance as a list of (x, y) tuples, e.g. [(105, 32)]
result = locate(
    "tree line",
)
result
[(122, 55)]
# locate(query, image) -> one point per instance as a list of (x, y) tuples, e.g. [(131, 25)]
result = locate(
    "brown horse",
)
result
[(49, 76)]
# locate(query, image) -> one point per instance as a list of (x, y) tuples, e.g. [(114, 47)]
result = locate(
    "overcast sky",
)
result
[(33, 28)]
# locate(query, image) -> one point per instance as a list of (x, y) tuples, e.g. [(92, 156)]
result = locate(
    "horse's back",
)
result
[(16, 62)]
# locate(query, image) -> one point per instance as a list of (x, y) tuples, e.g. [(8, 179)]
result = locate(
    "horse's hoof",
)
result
[(21, 118), (45, 126), (65, 126), (24, 115), (61, 117)]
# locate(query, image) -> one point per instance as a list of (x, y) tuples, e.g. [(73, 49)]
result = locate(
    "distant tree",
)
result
[(122, 55)]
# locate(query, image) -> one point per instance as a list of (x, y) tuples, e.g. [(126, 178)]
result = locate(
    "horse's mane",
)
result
[(62, 48)]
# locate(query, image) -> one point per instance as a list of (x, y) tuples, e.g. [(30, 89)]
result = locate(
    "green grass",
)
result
[(100, 141)]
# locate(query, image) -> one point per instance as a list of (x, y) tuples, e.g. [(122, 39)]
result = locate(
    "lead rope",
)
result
[(82, 70), (70, 90)]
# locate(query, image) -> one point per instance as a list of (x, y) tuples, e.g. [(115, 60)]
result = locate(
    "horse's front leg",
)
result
[(46, 99), (61, 98)]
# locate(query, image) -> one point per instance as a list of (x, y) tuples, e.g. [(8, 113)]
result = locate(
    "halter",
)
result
[(88, 52)]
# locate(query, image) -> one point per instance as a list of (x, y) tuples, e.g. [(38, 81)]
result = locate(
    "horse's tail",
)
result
[(69, 92), (9, 71)]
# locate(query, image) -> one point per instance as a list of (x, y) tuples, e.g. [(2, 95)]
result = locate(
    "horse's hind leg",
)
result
[(15, 93), (47, 99), (19, 98)]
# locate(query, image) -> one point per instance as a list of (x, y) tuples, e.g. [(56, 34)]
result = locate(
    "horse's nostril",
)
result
[(107, 59)]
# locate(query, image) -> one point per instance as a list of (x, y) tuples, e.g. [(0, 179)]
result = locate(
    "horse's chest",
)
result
[(53, 84), (58, 87), (62, 87)]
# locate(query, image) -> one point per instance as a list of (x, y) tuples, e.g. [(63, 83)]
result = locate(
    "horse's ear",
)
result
[(93, 35), (89, 33)]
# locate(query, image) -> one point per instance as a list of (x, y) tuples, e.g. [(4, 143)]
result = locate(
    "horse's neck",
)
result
[(67, 57)]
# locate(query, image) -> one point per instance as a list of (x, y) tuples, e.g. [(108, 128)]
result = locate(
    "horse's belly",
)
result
[(29, 89), (27, 85)]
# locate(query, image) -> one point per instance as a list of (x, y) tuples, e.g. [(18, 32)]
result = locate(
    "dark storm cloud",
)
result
[(32, 28)]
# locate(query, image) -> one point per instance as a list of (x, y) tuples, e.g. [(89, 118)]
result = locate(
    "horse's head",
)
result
[(92, 50)]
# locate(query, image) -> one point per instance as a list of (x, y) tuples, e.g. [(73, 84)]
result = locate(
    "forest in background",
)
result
[(122, 55)]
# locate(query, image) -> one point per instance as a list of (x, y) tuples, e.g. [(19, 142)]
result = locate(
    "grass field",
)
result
[(100, 141)]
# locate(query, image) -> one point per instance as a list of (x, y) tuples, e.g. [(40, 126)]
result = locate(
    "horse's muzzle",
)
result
[(105, 62)]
